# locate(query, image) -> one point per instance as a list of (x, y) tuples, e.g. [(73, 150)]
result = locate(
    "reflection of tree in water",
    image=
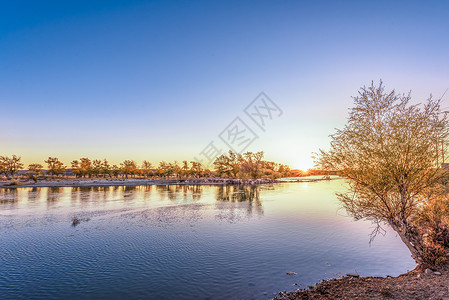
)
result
[(169, 191), (174, 192), (33, 194), (8, 196), (196, 190), (83, 194), (109, 193), (54, 194), (238, 199)]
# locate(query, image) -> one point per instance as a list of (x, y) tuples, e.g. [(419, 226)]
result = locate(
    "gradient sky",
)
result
[(159, 80)]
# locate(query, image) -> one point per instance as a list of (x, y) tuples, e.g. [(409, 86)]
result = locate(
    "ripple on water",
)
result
[(182, 242)]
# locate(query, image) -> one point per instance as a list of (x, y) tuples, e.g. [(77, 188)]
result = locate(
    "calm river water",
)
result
[(183, 242)]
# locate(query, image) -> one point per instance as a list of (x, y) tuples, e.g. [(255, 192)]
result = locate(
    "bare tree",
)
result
[(76, 168), (115, 170), (147, 168), (128, 167), (36, 169), (10, 165), (55, 167), (184, 169), (389, 153), (106, 168), (97, 167), (85, 167)]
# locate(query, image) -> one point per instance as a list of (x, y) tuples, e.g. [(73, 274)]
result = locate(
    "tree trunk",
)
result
[(411, 239)]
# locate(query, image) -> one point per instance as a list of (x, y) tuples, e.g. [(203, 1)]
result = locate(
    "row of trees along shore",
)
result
[(233, 165)]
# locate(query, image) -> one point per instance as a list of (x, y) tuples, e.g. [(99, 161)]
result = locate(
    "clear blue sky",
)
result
[(159, 80)]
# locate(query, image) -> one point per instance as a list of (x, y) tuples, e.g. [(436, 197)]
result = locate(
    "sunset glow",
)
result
[(160, 82), (224, 149)]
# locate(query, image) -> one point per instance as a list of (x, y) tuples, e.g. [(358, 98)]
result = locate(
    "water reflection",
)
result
[(182, 242), (239, 193), (8, 196), (230, 203), (174, 192), (250, 195)]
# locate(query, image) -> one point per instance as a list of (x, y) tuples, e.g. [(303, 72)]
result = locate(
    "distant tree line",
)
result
[(234, 165), (249, 165)]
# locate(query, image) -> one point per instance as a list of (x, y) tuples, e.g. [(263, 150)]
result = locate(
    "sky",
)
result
[(162, 80)]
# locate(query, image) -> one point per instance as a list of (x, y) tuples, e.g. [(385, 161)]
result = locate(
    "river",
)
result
[(184, 242)]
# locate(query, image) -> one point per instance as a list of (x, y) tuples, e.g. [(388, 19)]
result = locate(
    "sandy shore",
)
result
[(134, 182), (415, 284)]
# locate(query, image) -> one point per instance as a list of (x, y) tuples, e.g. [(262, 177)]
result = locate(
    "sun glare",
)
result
[(302, 164)]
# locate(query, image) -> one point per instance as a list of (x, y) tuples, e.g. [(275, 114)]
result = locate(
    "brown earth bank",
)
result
[(132, 182), (416, 284)]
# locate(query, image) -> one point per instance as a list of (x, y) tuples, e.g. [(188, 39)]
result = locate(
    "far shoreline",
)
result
[(131, 182)]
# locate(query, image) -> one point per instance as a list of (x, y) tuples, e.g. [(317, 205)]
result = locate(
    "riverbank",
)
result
[(95, 182), (134, 182), (415, 284)]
